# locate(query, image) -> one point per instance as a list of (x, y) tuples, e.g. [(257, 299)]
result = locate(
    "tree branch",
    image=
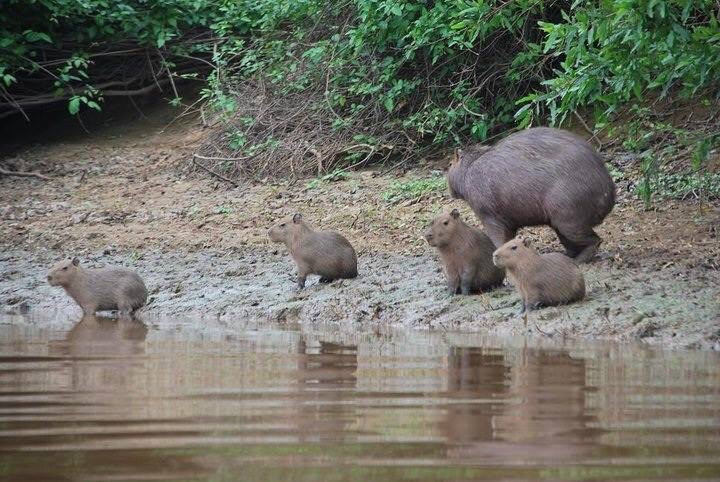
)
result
[(6, 172)]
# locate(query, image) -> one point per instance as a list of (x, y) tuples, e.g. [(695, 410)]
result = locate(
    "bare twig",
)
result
[(215, 158), (6, 172), (317, 155), (216, 174)]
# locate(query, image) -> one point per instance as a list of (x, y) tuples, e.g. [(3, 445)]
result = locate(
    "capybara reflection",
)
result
[(322, 253), (99, 289), (542, 279), (533, 177), (466, 254)]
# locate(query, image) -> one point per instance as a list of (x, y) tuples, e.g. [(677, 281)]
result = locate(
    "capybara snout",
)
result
[(63, 272)]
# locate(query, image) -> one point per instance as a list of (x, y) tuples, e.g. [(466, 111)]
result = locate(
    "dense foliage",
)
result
[(380, 78)]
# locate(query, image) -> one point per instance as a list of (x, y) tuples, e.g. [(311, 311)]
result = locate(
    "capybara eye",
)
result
[(282, 225), (514, 248), (445, 223), (64, 268)]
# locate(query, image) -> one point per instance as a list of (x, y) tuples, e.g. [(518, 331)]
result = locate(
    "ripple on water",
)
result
[(109, 399)]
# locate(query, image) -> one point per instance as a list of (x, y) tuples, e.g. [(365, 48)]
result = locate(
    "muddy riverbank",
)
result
[(123, 195), (663, 307)]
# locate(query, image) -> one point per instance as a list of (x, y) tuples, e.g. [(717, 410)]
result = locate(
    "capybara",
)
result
[(542, 279), (533, 177), (99, 289), (323, 253), (466, 254)]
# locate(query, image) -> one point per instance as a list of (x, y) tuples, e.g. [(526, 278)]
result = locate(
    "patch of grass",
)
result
[(223, 209), (415, 189), (334, 176), (682, 185)]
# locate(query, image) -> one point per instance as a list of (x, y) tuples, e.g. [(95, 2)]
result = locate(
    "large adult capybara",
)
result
[(466, 254), (542, 280), (533, 177), (99, 289), (323, 253)]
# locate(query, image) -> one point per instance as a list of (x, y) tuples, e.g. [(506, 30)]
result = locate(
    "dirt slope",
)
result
[(122, 195)]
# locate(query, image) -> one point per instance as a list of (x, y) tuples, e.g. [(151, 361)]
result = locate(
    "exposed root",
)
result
[(6, 172), (218, 175)]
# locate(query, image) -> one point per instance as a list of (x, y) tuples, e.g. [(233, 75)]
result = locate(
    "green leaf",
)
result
[(389, 103), (74, 105)]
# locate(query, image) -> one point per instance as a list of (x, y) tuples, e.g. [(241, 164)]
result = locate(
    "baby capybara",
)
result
[(323, 253), (466, 254), (533, 177), (99, 289), (542, 279)]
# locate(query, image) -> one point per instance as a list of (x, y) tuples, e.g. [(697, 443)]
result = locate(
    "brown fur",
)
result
[(99, 289), (323, 253), (466, 254), (542, 280), (533, 177)]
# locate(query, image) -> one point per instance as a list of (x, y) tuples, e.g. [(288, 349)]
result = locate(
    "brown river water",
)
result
[(182, 400)]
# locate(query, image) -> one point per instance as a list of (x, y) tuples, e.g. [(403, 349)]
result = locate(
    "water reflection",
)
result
[(477, 381), (115, 399), (325, 372)]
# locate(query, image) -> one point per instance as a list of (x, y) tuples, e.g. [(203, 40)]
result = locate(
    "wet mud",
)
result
[(662, 307)]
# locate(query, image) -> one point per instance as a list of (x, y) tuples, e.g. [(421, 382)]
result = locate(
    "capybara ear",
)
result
[(526, 242), (297, 218), (75, 261), (456, 157), (455, 213)]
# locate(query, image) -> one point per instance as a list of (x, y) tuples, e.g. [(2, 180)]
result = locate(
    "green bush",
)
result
[(346, 82), (611, 52), (683, 185), (82, 51)]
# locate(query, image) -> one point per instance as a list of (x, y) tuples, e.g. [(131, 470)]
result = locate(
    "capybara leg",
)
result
[(303, 272), (590, 249), (531, 299), (571, 249), (467, 282), (498, 233), (585, 241), (453, 284), (579, 239)]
